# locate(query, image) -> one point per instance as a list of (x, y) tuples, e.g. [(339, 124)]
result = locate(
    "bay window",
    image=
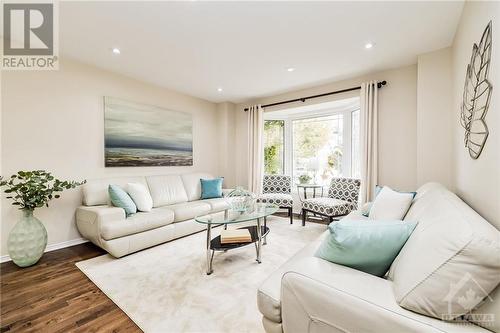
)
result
[(313, 146)]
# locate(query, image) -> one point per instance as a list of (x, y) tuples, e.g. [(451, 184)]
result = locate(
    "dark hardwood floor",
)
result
[(55, 296)]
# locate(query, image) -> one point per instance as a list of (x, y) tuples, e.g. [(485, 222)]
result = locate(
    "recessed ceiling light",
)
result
[(116, 50), (369, 45), (290, 69), (219, 89)]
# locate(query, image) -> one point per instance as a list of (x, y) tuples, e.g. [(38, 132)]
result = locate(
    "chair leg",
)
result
[(290, 213), (304, 217)]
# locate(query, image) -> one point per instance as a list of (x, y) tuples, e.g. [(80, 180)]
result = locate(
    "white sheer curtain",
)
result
[(369, 140), (255, 148)]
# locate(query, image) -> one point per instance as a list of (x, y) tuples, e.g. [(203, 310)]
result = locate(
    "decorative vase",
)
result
[(241, 200), (27, 240)]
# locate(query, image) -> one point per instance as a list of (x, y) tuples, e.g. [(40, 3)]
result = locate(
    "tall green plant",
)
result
[(33, 189)]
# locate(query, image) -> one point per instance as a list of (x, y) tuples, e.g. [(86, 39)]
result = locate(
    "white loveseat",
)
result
[(176, 201), (308, 294)]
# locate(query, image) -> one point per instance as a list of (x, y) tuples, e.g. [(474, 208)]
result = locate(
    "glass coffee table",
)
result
[(258, 232)]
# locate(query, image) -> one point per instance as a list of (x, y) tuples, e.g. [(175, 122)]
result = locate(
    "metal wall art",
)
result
[(477, 95)]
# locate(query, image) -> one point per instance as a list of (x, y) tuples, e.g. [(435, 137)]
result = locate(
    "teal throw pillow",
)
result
[(368, 246), (211, 188), (120, 198)]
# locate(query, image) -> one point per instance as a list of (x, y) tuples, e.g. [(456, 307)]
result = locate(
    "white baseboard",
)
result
[(52, 247)]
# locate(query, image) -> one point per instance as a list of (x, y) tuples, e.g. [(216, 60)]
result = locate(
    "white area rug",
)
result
[(166, 289)]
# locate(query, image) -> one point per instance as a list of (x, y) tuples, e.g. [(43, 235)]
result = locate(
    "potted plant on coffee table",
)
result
[(30, 190)]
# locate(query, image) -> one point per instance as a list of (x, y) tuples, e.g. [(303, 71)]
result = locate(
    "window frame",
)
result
[(284, 146), (288, 134)]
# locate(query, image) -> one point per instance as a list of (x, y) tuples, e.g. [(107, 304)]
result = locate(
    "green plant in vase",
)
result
[(304, 179), (30, 190)]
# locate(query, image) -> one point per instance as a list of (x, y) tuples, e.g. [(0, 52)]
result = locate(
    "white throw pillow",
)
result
[(390, 205), (140, 194)]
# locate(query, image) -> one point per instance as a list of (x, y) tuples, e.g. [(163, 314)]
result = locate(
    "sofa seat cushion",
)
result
[(217, 204), (188, 210), (328, 206), (278, 199), (319, 296), (111, 229)]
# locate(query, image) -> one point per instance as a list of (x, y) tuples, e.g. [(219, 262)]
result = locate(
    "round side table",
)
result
[(304, 188)]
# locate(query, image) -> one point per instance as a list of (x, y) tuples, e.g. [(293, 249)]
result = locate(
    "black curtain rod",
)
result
[(303, 99)]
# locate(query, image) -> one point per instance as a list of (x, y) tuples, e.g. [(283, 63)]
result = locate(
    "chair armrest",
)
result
[(89, 220)]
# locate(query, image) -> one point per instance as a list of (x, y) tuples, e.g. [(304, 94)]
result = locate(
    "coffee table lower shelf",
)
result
[(216, 245)]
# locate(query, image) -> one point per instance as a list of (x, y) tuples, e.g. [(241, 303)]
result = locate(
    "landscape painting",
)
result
[(143, 135)]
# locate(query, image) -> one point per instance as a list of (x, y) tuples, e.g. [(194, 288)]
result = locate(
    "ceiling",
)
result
[(245, 48)]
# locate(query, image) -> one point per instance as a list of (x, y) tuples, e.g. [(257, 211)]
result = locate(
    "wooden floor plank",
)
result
[(55, 296)]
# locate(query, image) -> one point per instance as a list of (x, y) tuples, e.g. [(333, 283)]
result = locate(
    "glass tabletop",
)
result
[(260, 210)]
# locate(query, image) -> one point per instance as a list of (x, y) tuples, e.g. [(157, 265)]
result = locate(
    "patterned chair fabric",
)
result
[(279, 199), (277, 184), (342, 198), (328, 206), (345, 189), (277, 190)]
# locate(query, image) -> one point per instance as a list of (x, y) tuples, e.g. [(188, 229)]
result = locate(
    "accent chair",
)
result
[(277, 189), (342, 199)]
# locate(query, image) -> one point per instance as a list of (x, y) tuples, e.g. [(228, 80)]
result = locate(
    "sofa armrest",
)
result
[(89, 220), (226, 191), (365, 209), (321, 296)]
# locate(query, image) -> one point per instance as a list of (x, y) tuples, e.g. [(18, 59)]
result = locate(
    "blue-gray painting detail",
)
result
[(143, 135)]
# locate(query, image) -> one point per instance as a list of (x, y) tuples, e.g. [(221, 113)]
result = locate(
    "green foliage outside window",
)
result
[(273, 149)]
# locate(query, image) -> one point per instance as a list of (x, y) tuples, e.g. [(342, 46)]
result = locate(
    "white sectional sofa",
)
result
[(308, 294), (176, 201)]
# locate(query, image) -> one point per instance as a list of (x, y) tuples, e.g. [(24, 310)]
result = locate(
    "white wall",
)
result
[(53, 120), (397, 124), (434, 130), (477, 181)]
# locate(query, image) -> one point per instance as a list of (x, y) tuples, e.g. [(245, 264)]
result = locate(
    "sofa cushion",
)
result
[(188, 210), (166, 190), (217, 204), (192, 184), (451, 261), (141, 196), (318, 296), (390, 204), (95, 191), (111, 229)]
